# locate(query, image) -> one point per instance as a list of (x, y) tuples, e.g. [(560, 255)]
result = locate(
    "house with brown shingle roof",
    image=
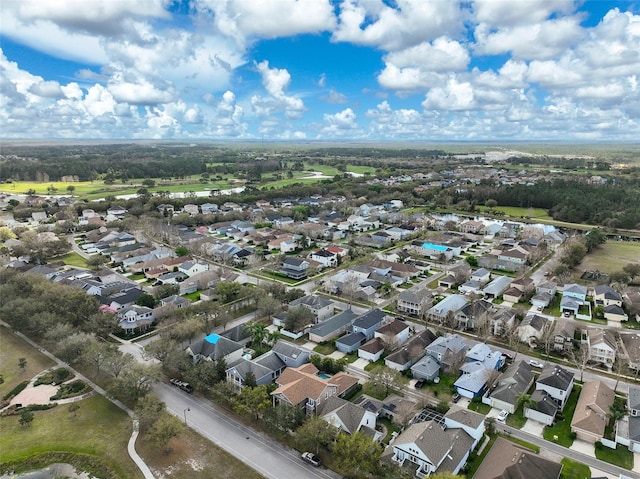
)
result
[(302, 387), (507, 460), (591, 415)]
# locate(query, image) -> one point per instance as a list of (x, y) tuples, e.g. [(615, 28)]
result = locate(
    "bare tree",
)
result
[(547, 337), (580, 358)]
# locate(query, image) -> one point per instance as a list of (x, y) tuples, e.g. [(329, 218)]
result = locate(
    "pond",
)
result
[(53, 471)]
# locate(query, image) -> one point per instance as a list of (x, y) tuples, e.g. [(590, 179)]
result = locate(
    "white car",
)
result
[(502, 416), (536, 364)]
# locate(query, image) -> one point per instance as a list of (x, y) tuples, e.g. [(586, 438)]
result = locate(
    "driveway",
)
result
[(533, 427)]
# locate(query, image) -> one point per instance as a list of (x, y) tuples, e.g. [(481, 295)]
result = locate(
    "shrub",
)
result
[(57, 376), (71, 389), (15, 391)]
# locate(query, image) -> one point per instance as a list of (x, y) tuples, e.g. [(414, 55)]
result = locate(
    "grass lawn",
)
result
[(519, 212), (95, 440), (611, 256), (574, 470), (276, 276), (193, 297), (136, 276), (517, 419), (324, 348), (193, 457), (11, 349), (479, 407), (621, 456), (562, 429), (444, 389), (72, 259)]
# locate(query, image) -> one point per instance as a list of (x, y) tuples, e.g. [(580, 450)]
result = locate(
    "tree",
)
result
[(73, 409), (257, 331), (71, 189), (617, 411), (118, 363), (163, 430), (254, 400), (594, 238), (187, 329), (145, 299), (72, 347), (490, 203), (316, 433), (22, 363), (201, 375), (182, 251), (102, 324), (386, 379), (547, 339), (472, 261), (525, 401), (97, 355), (580, 358), (227, 290), (297, 318), (26, 418), (148, 410), (632, 269), (95, 261), (135, 382), (356, 452), (283, 417), (268, 306)]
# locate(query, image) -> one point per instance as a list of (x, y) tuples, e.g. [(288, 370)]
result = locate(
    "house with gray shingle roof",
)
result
[(557, 382), (348, 417), (507, 460), (332, 327), (321, 307), (214, 347), (369, 322), (449, 351), (404, 357), (542, 409), (432, 448), (516, 380)]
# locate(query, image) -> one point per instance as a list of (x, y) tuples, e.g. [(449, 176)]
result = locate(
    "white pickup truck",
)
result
[(311, 458)]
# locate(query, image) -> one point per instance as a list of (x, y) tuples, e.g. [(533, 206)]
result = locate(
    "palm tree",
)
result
[(257, 331), (525, 401)]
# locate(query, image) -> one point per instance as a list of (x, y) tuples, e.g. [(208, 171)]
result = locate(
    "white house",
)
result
[(193, 267)]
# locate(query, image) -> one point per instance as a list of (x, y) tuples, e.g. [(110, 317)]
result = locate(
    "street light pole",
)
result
[(185, 415)]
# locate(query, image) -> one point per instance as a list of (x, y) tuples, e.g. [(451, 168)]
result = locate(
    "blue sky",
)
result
[(369, 70)]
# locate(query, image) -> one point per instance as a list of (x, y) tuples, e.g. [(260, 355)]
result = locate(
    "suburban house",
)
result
[(605, 295), (542, 408), (321, 307), (369, 322), (393, 334), (573, 297), (545, 293), (214, 347), (302, 387), (481, 275), (452, 303), (427, 368), (592, 411), (496, 287), (332, 327), (294, 268), (431, 447), (448, 351), (414, 303), (563, 335), (480, 367), (507, 460), (268, 366), (412, 351), (472, 422), (350, 342), (135, 318), (602, 346), (473, 314), (630, 348), (502, 321), (515, 381), (326, 258), (615, 314), (348, 417), (531, 329), (557, 382), (632, 422), (372, 350)]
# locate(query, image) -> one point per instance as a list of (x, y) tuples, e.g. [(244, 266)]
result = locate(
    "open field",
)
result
[(193, 457), (513, 211), (11, 349), (72, 259), (95, 439), (612, 256)]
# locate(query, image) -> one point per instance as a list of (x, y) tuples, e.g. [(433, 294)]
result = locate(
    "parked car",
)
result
[(509, 356), (536, 364), (502, 416), (311, 458), (456, 397), (419, 383), (182, 385)]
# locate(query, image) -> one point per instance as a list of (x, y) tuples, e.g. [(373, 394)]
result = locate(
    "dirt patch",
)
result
[(35, 395)]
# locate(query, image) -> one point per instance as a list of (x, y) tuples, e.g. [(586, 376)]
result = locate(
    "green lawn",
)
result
[(72, 259), (444, 389), (13, 348), (611, 256), (95, 440), (621, 456), (574, 470), (479, 407), (517, 212), (562, 429), (517, 419), (324, 348), (193, 297)]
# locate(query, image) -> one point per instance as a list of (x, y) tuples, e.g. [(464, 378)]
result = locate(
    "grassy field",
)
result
[(574, 470), (612, 256), (562, 429), (98, 435), (72, 259), (11, 349), (192, 457), (621, 456), (537, 213)]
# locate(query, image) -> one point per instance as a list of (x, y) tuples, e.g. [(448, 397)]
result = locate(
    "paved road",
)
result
[(268, 457), (564, 452)]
